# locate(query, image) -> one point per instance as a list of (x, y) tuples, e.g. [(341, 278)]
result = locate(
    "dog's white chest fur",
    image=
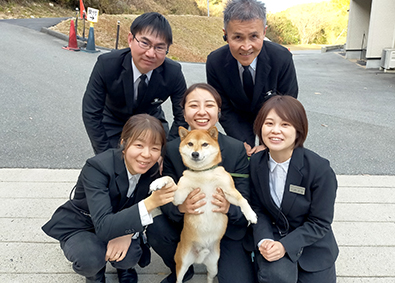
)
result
[(208, 181)]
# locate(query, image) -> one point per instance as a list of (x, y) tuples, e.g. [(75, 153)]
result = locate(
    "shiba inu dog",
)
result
[(202, 233)]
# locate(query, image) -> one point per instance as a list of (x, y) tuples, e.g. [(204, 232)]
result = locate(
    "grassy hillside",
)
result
[(194, 37)]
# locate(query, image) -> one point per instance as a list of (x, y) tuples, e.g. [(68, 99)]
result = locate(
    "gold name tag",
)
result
[(297, 190)]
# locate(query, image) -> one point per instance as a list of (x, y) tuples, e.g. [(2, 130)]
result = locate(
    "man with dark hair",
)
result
[(248, 69), (131, 81)]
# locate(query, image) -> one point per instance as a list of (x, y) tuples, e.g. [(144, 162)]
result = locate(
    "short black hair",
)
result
[(153, 22)]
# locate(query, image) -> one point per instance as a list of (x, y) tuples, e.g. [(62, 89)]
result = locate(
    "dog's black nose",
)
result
[(195, 154)]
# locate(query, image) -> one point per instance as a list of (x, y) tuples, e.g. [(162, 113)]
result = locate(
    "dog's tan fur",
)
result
[(202, 233)]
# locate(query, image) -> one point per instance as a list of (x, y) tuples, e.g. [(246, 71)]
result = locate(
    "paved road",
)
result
[(350, 109)]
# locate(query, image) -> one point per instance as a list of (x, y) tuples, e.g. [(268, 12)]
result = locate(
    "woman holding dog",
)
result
[(111, 207), (293, 193), (202, 105)]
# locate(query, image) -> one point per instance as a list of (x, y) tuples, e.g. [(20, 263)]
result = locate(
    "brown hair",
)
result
[(289, 109), (203, 86), (143, 125)]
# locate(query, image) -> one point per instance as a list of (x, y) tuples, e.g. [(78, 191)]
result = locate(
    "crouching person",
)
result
[(106, 218)]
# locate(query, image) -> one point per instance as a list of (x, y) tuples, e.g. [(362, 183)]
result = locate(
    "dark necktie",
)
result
[(248, 83), (142, 88)]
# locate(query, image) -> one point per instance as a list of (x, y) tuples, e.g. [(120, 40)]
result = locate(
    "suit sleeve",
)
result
[(318, 221), (108, 225), (287, 81), (176, 96), (92, 109)]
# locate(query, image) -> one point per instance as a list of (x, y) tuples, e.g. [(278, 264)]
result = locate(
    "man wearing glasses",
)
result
[(134, 80)]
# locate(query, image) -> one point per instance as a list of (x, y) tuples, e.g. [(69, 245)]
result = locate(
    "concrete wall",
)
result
[(375, 19), (358, 28)]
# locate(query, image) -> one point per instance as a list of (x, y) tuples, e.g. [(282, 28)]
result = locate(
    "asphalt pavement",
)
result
[(44, 144), (350, 109)]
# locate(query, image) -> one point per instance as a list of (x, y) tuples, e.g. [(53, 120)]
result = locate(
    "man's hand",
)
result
[(250, 151)]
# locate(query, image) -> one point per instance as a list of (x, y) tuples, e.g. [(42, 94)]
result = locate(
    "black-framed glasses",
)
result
[(160, 49)]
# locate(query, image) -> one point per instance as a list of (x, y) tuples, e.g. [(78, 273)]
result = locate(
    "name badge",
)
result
[(297, 190), (157, 101)]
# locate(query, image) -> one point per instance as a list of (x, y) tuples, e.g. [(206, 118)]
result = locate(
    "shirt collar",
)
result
[(132, 177), (252, 65), (137, 74), (272, 164)]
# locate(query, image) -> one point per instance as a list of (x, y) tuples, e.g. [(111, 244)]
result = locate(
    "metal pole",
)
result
[(208, 8), (83, 32), (116, 42), (76, 21)]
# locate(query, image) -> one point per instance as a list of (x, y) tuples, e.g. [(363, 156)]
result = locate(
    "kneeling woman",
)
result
[(293, 194), (111, 207)]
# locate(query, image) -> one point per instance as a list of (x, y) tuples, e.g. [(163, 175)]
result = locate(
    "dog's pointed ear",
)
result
[(182, 132), (213, 132)]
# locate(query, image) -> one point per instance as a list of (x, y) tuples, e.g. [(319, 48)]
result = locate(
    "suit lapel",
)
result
[(294, 177), (233, 75), (155, 80), (128, 81), (121, 178), (263, 177), (263, 69)]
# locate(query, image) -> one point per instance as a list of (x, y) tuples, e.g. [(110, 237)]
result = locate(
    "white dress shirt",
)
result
[(277, 177), (145, 217)]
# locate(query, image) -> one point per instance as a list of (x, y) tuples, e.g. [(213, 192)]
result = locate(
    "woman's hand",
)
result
[(160, 197), (118, 247), (220, 201), (272, 250), (193, 202)]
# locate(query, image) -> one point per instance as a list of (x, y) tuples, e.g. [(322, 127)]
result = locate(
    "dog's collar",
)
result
[(203, 169)]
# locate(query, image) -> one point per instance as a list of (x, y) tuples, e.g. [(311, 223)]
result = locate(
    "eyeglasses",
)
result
[(146, 46)]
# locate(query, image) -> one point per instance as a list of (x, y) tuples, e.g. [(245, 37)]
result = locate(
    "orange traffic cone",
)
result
[(73, 45)]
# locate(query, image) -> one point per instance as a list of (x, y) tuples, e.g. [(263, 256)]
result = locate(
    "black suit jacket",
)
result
[(234, 160), (275, 72), (109, 97), (100, 203), (304, 219)]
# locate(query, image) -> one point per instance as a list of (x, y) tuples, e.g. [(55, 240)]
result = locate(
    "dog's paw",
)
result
[(159, 183), (251, 216)]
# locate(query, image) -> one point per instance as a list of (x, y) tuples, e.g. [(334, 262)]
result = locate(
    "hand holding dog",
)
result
[(220, 201), (160, 196), (118, 247), (193, 202), (272, 250)]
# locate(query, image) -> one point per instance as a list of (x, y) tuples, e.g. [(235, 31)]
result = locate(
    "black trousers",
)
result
[(234, 266), (87, 253), (286, 271)]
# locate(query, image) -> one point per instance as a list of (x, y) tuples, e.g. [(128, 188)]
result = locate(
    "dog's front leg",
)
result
[(235, 198), (180, 195)]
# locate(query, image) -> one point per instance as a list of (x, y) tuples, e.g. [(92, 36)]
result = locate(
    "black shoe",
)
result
[(100, 277), (127, 275), (172, 277)]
